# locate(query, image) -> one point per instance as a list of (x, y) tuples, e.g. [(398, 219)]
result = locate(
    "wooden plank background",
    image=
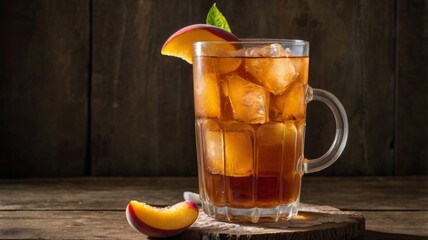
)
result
[(43, 91), (85, 91), (412, 88)]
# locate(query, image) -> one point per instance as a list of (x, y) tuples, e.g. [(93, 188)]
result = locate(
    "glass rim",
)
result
[(256, 41)]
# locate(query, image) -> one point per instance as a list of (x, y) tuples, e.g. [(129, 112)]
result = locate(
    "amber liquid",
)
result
[(250, 191), (250, 132)]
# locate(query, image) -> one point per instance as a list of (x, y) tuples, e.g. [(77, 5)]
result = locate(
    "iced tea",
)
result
[(250, 109)]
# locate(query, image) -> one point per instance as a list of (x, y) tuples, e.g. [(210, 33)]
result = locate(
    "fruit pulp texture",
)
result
[(250, 123)]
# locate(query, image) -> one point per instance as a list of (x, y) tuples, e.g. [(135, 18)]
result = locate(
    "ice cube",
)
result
[(270, 66), (276, 50), (272, 50), (206, 94), (212, 145), (301, 65), (276, 74), (213, 151), (239, 153), (229, 151), (249, 101), (290, 105), (239, 145)]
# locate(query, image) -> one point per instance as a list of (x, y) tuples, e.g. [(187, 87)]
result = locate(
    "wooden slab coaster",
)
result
[(312, 222)]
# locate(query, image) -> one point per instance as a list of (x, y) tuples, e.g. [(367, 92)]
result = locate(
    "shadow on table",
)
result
[(369, 235)]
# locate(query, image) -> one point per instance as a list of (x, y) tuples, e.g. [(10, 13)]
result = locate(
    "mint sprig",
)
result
[(216, 18)]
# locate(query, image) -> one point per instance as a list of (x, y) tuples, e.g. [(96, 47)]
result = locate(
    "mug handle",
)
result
[(339, 142)]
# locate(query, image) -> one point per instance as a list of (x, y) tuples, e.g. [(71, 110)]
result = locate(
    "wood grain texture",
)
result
[(359, 194), (66, 225), (91, 193), (412, 87), (44, 57), (395, 224), (368, 193), (312, 222), (398, 225), (67, 217), (142, 118)]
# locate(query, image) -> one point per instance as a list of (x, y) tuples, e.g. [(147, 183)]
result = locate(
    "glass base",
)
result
[(254, 215)]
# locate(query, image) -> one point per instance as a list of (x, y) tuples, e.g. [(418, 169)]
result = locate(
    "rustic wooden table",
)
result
[(89, 208)]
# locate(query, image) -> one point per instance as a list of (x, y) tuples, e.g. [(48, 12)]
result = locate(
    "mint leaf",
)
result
[(216, 18)]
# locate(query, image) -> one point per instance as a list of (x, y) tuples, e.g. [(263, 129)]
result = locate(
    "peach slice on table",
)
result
[(161, 222), (180, 44)]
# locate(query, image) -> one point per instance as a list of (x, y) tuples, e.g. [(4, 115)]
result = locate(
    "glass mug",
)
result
[(250, 114)]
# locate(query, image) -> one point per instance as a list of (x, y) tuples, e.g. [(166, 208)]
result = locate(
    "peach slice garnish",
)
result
[(161, 222), (180, 44)]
